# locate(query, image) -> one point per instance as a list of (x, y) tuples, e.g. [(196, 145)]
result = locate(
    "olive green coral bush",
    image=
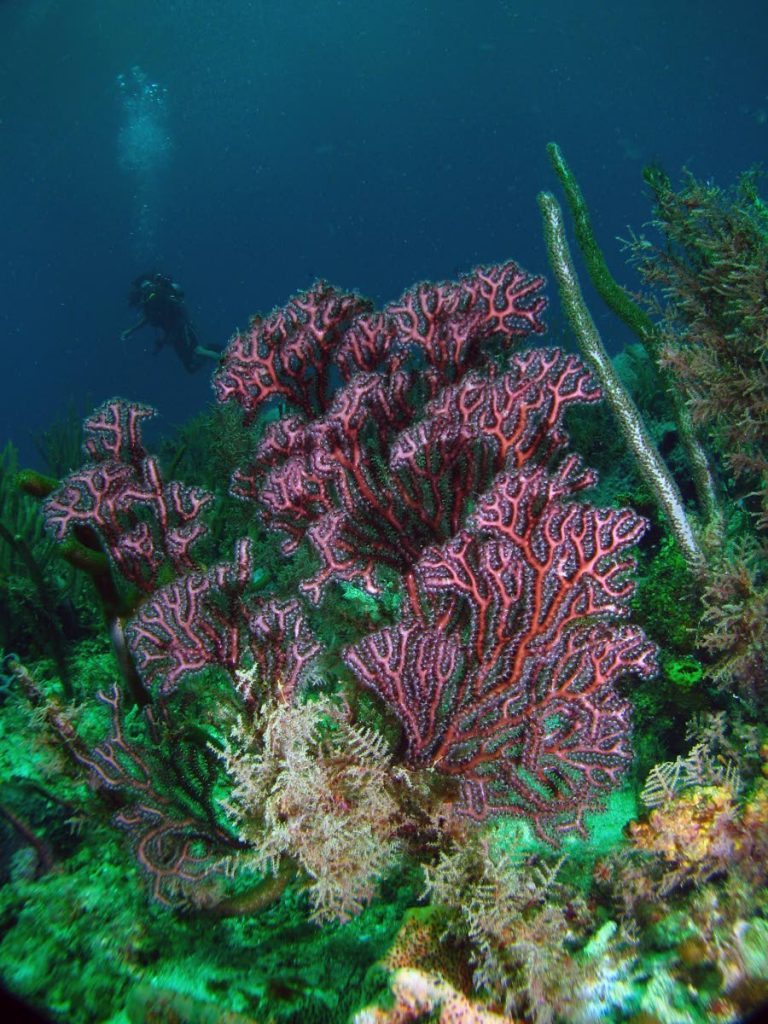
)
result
[(709, 276), (708, 289)]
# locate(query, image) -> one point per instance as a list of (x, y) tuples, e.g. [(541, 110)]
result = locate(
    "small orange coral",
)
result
[(692, 828), (415, 943), (755, 816), (703, 832), (419, 993), (418, 944), (754, 822)]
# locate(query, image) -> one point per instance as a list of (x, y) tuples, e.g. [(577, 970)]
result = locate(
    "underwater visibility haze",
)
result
[(383, 510)]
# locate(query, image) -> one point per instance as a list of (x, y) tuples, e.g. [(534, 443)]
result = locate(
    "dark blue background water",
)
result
[(372, 143)]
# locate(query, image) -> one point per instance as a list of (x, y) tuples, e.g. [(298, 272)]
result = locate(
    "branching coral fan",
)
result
[(415, 444)]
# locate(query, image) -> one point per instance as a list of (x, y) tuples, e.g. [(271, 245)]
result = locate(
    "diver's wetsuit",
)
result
[(162, 305)]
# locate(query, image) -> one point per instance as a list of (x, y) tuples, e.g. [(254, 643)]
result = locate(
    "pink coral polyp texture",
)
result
[(504, 674), (144, 523), (417, 442), (409, 440)]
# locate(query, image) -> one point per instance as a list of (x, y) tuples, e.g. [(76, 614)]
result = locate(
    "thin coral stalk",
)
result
[(650, 464)]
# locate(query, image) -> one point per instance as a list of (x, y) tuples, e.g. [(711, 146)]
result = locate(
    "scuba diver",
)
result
[(161, 302)]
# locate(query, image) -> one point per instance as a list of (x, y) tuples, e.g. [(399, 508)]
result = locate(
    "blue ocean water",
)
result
[(246, 148)]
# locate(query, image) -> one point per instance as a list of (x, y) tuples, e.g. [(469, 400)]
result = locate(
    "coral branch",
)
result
[(521, 706)]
